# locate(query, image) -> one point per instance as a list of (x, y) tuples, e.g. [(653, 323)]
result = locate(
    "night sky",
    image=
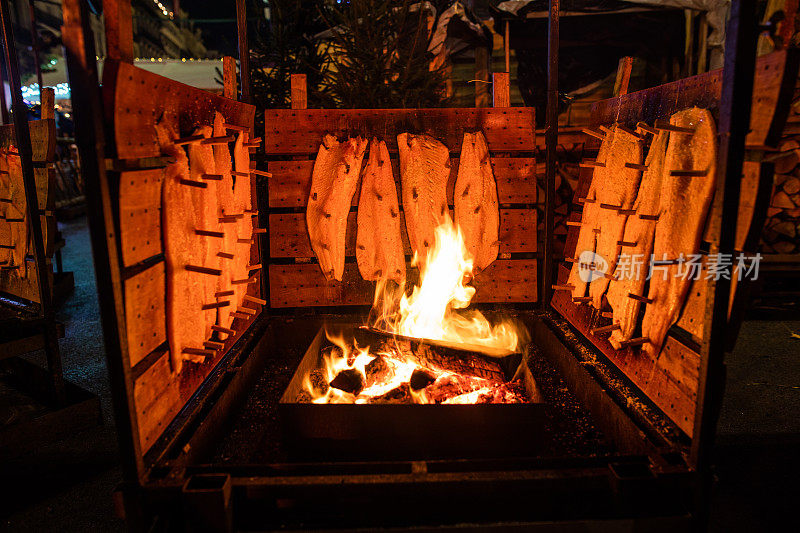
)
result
[(217, 21)]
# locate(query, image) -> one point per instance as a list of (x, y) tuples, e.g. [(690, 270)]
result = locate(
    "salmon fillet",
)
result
[(618, 190), (379, 245), (587, 236), (186, 291), (682, 214), (475, 199), (242, 201), (333, 184), (424, 171), (201, 161), (223, 191), (642, 232)]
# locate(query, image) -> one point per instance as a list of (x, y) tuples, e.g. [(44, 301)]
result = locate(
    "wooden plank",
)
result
[(290, 183), (183, 106), (501, 89), (229, 89), (43, 139), (156, 397), (670, 381), (703, 91), (300, 132), (145, 317), (140, 214), (623, 76), (117, 15), (288, 236), (303, 285), (299, 91)]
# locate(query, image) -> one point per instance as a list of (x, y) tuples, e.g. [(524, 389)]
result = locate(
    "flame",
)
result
[(436, 308)]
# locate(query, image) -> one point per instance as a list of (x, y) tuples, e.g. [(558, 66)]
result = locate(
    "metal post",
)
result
[(734, 122), (89, 127), (23, 138), (551, 142), (244, 50)]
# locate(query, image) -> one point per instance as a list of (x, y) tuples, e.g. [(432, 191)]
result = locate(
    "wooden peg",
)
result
[(252, 144), (648, 217), (635, 166), (251, 211), (666, 126), (15, 220), (605, 329), (220, 329), (596, 230), (689, 173), (638, 341), (605, 129), (581, 299), (213, 177), (639, 298), (591, 164), (244, 241), (7, 246), (607, 314), (574, 223), (207, 233), (197, 351), (626, 212), (626, 244), (241, 174), (241, 281), (188, 140), (255, 300), (246, 310), (214, 345), (3, 172), (228, 220), (256, 266), (630, 132), (610, 207), (204, 270), (260, 173), (223, 139), (256, 231), (587, 200), (220, 294), (216, 305), (563, 287), (595, 134), (192, 183), (645, 128), (234, 127), (237, 314), (225, 255)]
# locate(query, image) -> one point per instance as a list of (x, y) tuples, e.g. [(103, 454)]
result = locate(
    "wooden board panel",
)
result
[(156, 397), (773, 72), (302, 285), (145, 318), (140, 214), (295, 131), (43, 138), (26, 287), (670, 381), (288, 236), (137, 99), (290, 183)]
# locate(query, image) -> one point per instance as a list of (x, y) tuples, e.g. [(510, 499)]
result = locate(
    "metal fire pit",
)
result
[(403, 431)]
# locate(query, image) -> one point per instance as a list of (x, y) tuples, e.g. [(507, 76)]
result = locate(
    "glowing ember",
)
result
[(435, 310)]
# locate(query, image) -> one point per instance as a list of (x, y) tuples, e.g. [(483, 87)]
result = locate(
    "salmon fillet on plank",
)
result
[(223, 191), (684, 205), (475, 199), (617, 193), (379, 245), (424, 171), (587, 236), (186, 290), (333, 183), (642, 233), (242, 202)]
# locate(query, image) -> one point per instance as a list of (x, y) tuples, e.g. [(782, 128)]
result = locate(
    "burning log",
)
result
[(350, 380), (421, 378), (399, 394), (303, 397), (378, 371), (318, 381)]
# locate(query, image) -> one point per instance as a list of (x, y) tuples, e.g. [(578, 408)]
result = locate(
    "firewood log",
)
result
[(350, 380)]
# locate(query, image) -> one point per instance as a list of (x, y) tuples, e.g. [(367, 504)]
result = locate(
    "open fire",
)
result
[(391, 371)]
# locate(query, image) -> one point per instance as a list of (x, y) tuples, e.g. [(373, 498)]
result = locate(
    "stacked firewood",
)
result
[(782, 228)]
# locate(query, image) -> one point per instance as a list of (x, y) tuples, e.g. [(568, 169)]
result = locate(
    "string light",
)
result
[(32, 95)]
